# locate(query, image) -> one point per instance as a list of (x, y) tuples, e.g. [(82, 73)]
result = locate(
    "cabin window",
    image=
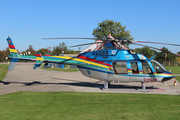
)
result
[(120, 67), (106, 52), (99, 53), (158, 67), (93, 53), (96, 53), (146, 68), (103, 53), (134, 67)]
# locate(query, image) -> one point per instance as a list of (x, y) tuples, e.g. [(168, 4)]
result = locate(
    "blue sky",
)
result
[(27, 21)]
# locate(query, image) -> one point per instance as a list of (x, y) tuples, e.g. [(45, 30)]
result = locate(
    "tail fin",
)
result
[(39, 60), (13, 54), (12, 48)]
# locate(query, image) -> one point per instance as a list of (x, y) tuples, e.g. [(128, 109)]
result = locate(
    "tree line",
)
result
[(162, 56)]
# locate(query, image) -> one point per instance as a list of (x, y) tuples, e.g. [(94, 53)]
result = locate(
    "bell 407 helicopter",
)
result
[(110, 63)]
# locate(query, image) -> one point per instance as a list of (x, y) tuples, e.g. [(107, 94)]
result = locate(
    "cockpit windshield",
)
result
[(158, 67)]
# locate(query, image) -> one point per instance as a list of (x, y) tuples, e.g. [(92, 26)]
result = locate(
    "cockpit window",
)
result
[(158, 67), (146, 68)]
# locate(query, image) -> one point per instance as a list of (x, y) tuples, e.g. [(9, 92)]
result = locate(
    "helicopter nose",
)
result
[(168, 76)]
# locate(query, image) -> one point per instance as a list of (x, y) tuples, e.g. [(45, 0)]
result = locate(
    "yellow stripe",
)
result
[(38, 58), (163, 74), (13, 50), (80, 60)]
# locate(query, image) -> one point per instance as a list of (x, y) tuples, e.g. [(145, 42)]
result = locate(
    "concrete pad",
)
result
[(24, 78)]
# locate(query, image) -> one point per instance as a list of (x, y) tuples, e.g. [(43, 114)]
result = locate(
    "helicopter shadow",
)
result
[(81, 84)]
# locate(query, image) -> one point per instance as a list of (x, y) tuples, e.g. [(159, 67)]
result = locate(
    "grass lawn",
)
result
[(178, 78), (3, 71), (91, 106), (174, 69)]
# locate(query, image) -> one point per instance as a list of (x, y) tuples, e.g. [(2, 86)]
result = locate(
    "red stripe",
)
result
[(11, 46), (47, 55), (93, 60), (101, 46), (141, 41), (38, 55), (129, 69)]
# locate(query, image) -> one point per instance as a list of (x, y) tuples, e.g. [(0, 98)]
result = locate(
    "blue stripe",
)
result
[(94, 69), (14, 59), (10, 40)]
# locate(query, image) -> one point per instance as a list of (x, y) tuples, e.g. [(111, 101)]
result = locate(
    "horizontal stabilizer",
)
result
[(37, 64), (12, 63), (39, 60)]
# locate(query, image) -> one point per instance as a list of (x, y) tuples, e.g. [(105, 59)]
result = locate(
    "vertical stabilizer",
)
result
[(12, 48), (13, 54)]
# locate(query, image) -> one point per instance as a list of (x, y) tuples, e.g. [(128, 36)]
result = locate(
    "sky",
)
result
[(28, 21)]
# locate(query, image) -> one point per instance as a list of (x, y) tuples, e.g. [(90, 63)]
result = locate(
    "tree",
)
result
[(110, 27), (43, 51), (161, 55), (136, 50), (4, 54), (31, 50), (61, 46), (145, 51), (1, 56)]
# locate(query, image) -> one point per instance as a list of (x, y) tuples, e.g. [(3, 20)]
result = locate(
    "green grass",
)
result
[(90, 106), (3, 71), (178, 78), (174, 69)]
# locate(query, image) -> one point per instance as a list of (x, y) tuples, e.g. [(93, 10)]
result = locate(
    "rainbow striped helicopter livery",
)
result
[(110, 64)]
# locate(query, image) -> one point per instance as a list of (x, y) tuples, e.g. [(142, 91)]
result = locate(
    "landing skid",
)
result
[(107, 85), (143, 86)]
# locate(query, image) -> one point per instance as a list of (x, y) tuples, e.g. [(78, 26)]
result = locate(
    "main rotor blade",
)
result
[(86, 44), (154, 48), (71, 38), (147, 46), (82, 38), (120, 38), (157, 43)]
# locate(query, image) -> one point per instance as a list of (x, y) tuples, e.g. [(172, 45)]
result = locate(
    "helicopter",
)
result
[(112, 63)]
